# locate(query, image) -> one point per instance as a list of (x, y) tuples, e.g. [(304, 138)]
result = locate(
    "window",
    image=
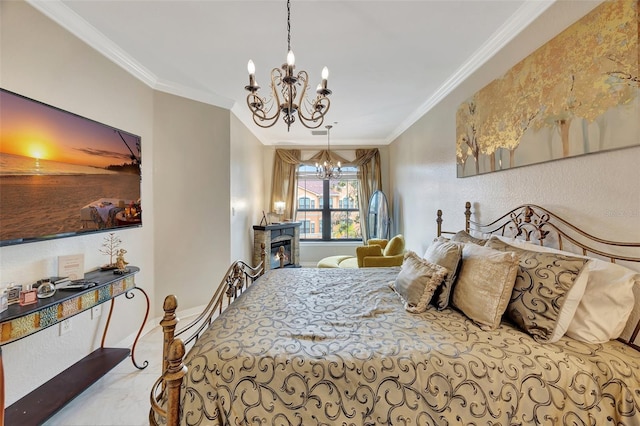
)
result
[(304, 203), (325, 222)]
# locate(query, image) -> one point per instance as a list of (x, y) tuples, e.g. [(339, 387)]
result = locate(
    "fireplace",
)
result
[(281, 242)]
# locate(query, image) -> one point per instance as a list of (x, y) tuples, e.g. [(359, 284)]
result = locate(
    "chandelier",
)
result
[(327, 170), (285, 87)]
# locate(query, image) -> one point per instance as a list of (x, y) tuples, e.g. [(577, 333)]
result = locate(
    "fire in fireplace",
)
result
[(280, 250)]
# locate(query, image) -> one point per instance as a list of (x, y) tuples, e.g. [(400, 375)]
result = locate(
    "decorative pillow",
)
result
[(608, 300), (484, 284), (417, 281), (446, 254), (547, 291), (395, 246), (465, 237)]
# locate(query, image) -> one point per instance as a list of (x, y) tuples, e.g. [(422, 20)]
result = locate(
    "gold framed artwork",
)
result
[(577, 94)]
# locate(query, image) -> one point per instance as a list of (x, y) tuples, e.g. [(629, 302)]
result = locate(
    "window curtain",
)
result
[(284, 181), (370, 180)]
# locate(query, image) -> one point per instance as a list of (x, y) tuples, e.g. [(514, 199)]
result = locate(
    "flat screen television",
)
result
[(62, 174)]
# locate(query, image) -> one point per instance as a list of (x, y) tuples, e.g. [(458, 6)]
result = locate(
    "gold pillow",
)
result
[(395, 246), (542, 291), (447, 254), (417, 282), (465, 237), (483, 288)]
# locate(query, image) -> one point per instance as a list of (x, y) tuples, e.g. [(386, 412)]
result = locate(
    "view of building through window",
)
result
[(328, 209)]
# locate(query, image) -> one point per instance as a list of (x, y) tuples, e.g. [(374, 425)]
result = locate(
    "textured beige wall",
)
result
[(600, 192)]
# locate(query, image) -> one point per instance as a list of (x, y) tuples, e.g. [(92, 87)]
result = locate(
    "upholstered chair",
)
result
[(381, 253)]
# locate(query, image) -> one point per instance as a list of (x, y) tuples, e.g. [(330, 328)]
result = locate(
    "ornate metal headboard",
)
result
[(538, 225)]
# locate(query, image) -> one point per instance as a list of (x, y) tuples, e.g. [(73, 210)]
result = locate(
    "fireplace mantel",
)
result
[(285, 235)]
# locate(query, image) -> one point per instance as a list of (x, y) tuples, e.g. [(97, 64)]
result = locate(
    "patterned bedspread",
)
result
[(335, 347)]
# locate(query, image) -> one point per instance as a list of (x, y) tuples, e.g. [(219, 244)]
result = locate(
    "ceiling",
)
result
[(389, 61)]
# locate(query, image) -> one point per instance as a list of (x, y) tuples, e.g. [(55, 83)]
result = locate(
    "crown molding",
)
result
[(193, 94), (525, 15)]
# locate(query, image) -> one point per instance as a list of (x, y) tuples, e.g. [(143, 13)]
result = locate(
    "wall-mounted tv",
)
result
[(62, 174)]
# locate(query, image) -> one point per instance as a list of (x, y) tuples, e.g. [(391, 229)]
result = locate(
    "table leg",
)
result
[(130, 295)]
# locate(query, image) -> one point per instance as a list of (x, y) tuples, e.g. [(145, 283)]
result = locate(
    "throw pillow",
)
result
[(484, 284), (546, 293), (395, 246), (465, 237), (608, 300), (417, 282), (447, 254)]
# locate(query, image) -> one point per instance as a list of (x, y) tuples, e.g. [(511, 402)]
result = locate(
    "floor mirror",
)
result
[(378, 220)]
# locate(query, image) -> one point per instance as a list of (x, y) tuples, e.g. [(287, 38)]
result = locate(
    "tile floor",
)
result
[(121, 397)]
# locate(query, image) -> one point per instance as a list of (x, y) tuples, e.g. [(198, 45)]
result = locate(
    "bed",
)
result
[(311, 346)]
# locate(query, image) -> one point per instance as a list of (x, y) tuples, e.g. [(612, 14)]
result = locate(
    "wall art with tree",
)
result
[(577, 94)]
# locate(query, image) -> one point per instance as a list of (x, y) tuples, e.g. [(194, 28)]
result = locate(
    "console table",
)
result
[(22, 321)]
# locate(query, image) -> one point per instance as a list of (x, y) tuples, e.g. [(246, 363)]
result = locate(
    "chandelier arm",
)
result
[(262, 120), (316, 116), (260, 107), (276, 80), (317, 110)]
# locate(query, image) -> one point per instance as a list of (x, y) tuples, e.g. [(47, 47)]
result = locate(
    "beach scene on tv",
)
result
[(62, 174)]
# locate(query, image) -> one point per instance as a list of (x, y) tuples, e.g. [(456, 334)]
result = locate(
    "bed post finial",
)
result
[(467, 215), (439, 222), (168, 323)]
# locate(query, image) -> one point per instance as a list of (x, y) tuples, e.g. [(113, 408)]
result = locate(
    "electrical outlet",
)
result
[(65, 326), (96, 311)]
